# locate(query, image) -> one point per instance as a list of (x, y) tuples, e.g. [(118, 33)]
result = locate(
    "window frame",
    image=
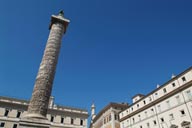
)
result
[(6, 113), (15, 125), (2, 124)]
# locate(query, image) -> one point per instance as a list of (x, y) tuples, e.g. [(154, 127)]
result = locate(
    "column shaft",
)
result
[(43, 85)]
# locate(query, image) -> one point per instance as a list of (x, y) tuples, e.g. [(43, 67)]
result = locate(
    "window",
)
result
[(140, 126), (171, 116), (123, 124), (189, 94), (133, 120), (152, 111), (137, 105), (156, 95), (2, 124), (144, 102), (148, 125), (15, 126), (182, 112), (159, 108), (150, 99), (183, 79), (104, 121), (116, 117), (139, 117), (132, 108), (52, 119), (109, 117), (155, 122), (146, 115), (18, 114), (6, 112), (62, 120), (168, 104), (162, 120), (81, 122), (164, 90), (178, 100), (72, 120), (173, 84)]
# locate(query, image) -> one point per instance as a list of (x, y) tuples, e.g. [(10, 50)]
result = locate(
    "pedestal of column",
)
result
[(34, 123), (38, 106)]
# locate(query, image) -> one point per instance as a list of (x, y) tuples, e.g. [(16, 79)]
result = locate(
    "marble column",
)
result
[(37, 109)]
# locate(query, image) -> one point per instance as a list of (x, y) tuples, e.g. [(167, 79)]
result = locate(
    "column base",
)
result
[(34, 123)]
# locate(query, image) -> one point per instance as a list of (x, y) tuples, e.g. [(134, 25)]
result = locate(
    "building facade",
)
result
[(168, 106), (11, 111), (108, 116)]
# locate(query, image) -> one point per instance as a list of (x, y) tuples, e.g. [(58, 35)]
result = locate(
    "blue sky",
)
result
[(112, 49)]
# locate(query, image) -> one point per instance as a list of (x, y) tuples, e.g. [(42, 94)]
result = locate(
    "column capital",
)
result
[(59, 19)]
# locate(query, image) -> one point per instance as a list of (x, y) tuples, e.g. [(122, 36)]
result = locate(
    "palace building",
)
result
[(108, 116), (168, 106), (11, 111)]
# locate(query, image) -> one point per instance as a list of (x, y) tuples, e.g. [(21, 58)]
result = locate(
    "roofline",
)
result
[(138, 95), (68, 107), (111, 104), (179, 89), (169, 81), (27, 101), (15, 99)]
